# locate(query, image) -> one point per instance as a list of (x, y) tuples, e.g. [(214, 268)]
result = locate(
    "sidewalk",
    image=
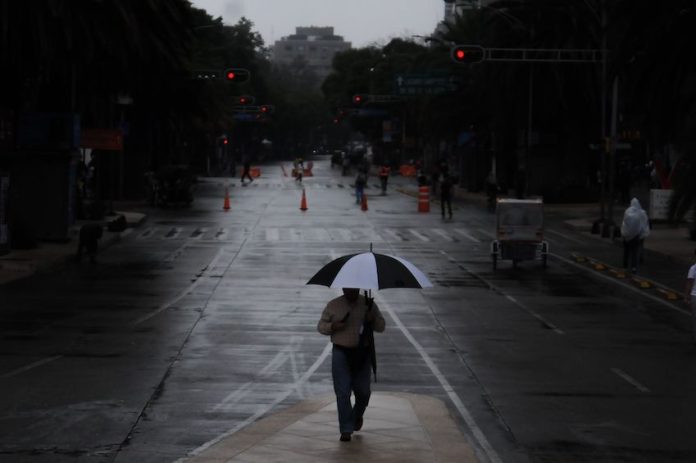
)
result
[(399, 428), (21, 263)]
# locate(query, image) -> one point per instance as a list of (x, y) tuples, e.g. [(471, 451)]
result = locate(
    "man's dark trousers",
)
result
[(345, 381)]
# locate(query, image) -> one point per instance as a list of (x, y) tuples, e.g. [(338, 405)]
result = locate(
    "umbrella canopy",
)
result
[(368, 270)]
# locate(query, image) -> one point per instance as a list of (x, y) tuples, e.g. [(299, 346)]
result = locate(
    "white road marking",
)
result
[(531, 312), (183, 293), (221, 234), (418, 235), (263, 410), (446, 386), (173, 233), (467, 235), (272, 234), (146, 233), (38, 363), (535, 314), (487, 233), (198, 233), (442, 233), (393, 234), (562, 235), (632, 381)]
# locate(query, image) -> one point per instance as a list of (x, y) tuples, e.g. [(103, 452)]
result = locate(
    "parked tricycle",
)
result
[(519, 231)]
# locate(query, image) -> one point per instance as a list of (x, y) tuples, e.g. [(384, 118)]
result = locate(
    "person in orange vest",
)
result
[(384, 177)]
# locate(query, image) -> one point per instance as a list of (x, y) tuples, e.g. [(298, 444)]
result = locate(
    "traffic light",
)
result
[(237, 75), (267, 109), (359, 99), (467, 54), (245, 100)]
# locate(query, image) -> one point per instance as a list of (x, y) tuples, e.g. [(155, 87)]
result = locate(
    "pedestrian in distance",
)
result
[(246, 170), (635, 227), (446, 194), (345, 162), (384, 177), (348, 319), (491, 190), (90, 234), (360, 182), (299, 169), (690, 293)]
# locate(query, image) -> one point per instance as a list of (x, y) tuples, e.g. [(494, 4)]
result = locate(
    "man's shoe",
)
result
[(345, 437), (358, 424)]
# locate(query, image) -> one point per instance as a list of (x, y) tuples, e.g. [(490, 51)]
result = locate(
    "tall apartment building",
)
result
[(454, 8), (314, 45)]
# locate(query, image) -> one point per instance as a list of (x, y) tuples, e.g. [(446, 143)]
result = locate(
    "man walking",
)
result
[(690, 293), (384, 177), (349, 319), (360, 182), (634, 229), (446, 195), (246, 171)]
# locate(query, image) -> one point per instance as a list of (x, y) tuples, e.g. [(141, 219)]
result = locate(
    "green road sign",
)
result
[(424, 84)]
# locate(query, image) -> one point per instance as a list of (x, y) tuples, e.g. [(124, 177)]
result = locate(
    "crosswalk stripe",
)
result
[(198, 233), (467, 235), (418, 235), (146, 233), (443, 234), (272, 234), (173, 233), (395, 235)]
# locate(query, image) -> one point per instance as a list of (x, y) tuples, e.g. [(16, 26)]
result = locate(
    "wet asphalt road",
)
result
[(198, 323)]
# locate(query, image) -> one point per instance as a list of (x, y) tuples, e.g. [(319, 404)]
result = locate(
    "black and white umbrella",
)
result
[(369, 270)]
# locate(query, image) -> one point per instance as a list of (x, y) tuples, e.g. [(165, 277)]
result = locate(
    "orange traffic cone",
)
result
[(226, 206), (363, 202), (303, 203)]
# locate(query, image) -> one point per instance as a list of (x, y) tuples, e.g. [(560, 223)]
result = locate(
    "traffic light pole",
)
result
[(458, 54)]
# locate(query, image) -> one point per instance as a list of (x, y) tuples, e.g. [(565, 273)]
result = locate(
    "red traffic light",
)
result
[(359, 99), (236, 75), (467, 53), (224, 142), (245, 100), (267, 108)]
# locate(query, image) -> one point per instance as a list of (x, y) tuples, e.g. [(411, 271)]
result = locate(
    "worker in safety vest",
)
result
[(384, 177)]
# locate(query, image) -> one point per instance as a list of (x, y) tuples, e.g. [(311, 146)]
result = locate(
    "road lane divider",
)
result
[(651, 289), (642, 283), (669, 294), (630, 380), (18, 371)]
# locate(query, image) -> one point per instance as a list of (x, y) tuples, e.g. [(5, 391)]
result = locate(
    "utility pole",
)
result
[(601, 223)]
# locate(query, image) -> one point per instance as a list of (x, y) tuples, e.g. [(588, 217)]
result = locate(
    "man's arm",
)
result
[(375, 318), (327, 325)]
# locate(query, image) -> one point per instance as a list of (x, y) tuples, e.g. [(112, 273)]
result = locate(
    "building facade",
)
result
[(315, 46)]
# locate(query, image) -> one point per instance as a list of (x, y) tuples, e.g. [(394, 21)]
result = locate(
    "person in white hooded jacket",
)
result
[(635, 227)]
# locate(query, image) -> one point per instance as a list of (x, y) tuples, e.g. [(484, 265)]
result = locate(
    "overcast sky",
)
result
[(361, 22)]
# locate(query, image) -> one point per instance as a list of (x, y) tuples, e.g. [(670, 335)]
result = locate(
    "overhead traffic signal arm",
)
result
[(466, 54), (234, 75), (237, 75)]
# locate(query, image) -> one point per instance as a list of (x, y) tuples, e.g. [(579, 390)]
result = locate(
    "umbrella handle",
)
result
[(369, 299)]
